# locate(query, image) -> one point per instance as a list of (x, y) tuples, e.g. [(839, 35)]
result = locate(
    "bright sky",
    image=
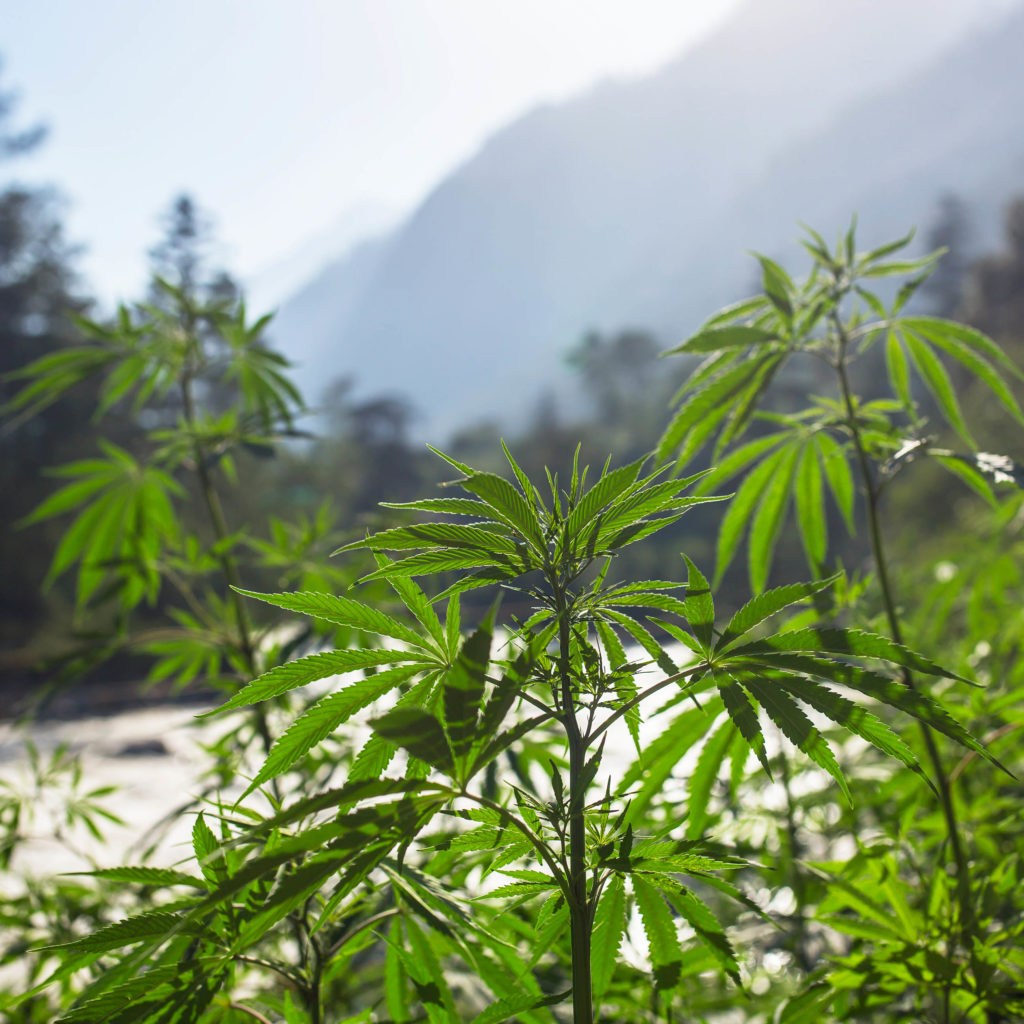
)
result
[(284, 117)]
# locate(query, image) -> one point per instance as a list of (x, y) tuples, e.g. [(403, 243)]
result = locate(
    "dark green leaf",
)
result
[(737, 460), (965, 468), (810, 507), (746, 403), (810, 1007), (145, 876), (796, 727), (881, 688), (744, 717), (699, 605), (932, 327), (508, 504), (609, 927), (847, 643), (432, 986), (511, 1007), (838, 475), (850, 716), (899, 370), (464, 688), (443, 506), (320, 720), (605, 492), (418, 732), (703, 922), (341, 611), (429, 562), (705, 407), (155, 925), (777, 286), (663, 941), (644, 639), (704, 776), (767, 521), (416, 601), (999, 468), (740, 510), (443, 535)]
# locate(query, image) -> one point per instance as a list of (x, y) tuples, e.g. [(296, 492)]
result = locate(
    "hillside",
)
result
[(634, 204)]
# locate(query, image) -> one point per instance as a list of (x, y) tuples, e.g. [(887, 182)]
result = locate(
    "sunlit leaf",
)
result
[(663, 940), (767, 520)]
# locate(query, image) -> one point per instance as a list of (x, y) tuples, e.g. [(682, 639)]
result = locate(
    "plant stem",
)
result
[(542, 851), (283, 971), (255, 1014), (215, 511), (633, 702), (218, 522), (871, 499), (315, 995), (370, 922), (580, 921)]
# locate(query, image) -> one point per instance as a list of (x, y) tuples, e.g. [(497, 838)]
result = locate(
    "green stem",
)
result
[(283, 971), (543, 852), (580, 916), (633, 702), (315, 995), (255, 1014), (370, 922), (215, 512), (871, 498)]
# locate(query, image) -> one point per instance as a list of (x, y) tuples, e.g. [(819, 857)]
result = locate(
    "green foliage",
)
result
[(810, 457), (550, 811), (939, 949), (454, 708), (155, 554)]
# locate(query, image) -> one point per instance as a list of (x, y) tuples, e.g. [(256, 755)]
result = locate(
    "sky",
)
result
[(298, 125)]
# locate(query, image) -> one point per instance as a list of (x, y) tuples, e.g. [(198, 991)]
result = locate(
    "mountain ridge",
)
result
[(631, 205)]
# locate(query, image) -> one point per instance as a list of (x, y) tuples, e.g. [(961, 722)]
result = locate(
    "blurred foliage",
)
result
[(38, 290)]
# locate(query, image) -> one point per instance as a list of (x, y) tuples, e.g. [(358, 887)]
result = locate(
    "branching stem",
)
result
[(580, 909), (639, 699), (871, 500), (534, 840), (255, 1014), (215, 512)]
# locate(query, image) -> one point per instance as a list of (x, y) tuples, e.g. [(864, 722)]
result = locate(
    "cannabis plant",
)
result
[(941, 946), (486, 756), (521, 820)]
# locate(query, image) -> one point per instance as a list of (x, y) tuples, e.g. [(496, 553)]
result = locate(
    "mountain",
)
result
[(285, 278), (310, 328), (634, 204)]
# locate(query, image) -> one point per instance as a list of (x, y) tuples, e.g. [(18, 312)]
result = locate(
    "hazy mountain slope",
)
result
[(632, 204), (952, 127), (309, 327), (286, 276)]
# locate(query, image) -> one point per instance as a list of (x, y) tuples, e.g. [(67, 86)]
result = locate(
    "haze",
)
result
[(300, 125)]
